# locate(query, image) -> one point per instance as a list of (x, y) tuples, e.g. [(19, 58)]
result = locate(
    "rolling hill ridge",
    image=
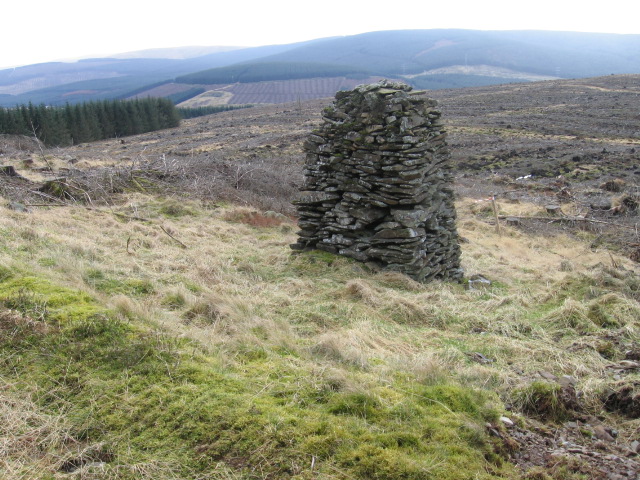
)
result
[(433, 59)]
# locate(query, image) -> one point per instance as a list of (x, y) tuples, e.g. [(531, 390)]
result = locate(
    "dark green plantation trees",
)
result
[(90, 121), (193, 112)]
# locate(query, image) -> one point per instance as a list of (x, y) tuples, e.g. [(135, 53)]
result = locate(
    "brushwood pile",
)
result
[(378, 183)]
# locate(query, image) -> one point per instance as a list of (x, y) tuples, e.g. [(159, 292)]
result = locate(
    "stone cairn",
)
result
[(378, 184)]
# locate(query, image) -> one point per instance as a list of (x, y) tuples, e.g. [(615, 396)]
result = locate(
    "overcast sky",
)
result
[(45, 30)]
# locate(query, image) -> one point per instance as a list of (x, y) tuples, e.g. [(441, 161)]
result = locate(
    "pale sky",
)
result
[(47, 30)]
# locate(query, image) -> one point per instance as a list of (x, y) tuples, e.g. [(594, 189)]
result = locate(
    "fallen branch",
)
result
[(50, 197), (83, 191), (45, 205), (174, 238), (568, 219)]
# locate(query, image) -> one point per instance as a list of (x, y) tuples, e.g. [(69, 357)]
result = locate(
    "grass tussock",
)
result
[(571, 316), (234, 356), (360, 290), (543, 400)]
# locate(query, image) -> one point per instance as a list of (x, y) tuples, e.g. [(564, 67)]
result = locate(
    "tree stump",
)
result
[(8, 170), (554, 210)]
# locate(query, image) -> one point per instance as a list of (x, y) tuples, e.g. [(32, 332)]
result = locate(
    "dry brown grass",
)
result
[(32, 442), (255, 218), (238, 288), (613, 185)]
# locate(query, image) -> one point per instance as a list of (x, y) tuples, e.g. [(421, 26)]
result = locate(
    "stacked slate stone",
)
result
[(378, 184)]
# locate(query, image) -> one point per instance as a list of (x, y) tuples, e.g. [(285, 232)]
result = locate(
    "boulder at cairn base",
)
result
[(378, 183)]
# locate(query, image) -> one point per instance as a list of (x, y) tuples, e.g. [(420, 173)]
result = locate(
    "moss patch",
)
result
[(149, 398), (41, 299), (112, 285)]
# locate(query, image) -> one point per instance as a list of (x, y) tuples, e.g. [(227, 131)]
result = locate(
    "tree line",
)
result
[(90, 121), (193, 112)]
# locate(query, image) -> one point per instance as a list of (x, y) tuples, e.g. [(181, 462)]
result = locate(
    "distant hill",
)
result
[(57, 83), (176, 53), (442, 58), (560, 54)]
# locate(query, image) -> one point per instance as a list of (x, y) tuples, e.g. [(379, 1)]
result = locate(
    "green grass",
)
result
[(107, 284), (41, 299), (150, 398)]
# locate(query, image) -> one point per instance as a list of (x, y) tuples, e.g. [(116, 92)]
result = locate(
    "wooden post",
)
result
[(495, 213)]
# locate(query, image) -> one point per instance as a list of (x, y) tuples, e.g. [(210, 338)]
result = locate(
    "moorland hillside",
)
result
[(154, 322)]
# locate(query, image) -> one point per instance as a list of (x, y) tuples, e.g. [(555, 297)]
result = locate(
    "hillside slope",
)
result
[(438, 59), (433, 59), (58, 83), (154, 323), (561, 54)]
